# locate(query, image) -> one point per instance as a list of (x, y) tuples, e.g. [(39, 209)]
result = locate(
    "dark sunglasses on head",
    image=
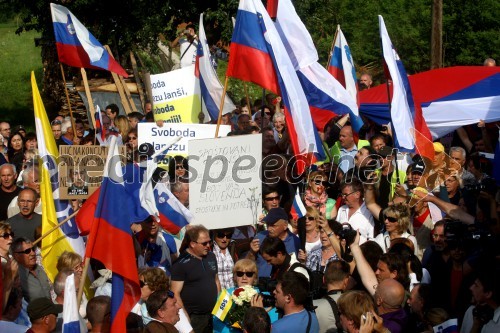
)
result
[(272, 198), (7, 235), (391, 219), (221, 234), (321, 182), (27, 251), (170, 294), (248, 274)]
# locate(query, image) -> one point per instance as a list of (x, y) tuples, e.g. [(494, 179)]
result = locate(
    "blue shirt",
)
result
[(296, 322), (292, 244), (346, 160)]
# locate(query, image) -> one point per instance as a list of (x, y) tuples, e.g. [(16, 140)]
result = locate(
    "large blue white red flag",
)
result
[(410, 130), (173, 215), (254, 27), (76, 46), (210, 86), (110, 240), (470, 91), (326, 96)]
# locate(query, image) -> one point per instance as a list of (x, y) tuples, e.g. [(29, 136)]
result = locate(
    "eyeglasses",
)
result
[(179, 167), (272, 198), (203, 243), (391, 219), (7, 235), (170, 294), (221, 234), (248, 274), (310, 218), (321, 182), (348, 194), (142, 283), (27, 251)]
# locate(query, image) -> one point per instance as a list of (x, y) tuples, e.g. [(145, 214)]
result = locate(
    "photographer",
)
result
[(291, 293), (273, 251), (484, 315)]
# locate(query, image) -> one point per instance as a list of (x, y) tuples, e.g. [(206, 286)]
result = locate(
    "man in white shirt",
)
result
[(354, 211)]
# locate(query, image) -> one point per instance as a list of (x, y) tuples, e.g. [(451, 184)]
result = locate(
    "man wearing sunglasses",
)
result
[(34, 280), (195, 279), (224, 250)]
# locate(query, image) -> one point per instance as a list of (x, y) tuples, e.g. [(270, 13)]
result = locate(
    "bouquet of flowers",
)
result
[(241, 302)]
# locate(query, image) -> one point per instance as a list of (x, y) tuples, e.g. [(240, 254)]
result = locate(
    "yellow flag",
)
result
[(65, 238), (223, 305)]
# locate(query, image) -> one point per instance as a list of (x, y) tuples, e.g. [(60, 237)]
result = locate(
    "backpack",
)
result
[(316, 287)]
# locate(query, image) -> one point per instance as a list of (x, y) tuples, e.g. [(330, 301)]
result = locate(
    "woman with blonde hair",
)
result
[(121, 122), (397, 223), (313, 241), (245, 273), (315, 195)]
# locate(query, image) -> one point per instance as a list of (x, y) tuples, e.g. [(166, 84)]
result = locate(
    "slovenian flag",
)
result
[(260, 56), (173, 215), (76, 46), (326, 96), (298, 209), (410, 133), (210, 86), (110, 240), (72, 322)]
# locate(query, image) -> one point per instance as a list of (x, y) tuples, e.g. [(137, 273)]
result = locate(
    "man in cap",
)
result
[(277, 226), (43, 315)]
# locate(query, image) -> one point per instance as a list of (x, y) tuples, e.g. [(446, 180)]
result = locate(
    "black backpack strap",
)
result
[(308, 321), (335, 310)]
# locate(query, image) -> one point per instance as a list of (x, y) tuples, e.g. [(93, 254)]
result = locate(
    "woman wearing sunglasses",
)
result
[(313, 241), (245, 274), (316, 196), (6, 239), (397, 222), (151, 280)]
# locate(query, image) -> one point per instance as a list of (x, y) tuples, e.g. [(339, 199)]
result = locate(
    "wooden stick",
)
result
[(137, 79), (219, 119), (333, 45), (69, 104), (89, 96), (54, 228), (248, 99), (82, 282), (119, 87), (127, 93)]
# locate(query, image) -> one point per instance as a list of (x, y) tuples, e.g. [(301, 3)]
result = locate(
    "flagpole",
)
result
[(89, 95), (79, 295), (248, 99), (333, 45), (219, 119), (73, 126), (55, 227)]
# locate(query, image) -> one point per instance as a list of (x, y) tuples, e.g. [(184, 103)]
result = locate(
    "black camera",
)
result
[(267, 284), (483, 312), (347, 233), (487, 185), (268, 301)]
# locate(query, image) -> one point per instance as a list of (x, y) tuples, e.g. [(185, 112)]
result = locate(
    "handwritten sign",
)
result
[(160, 136), (176, 96), (225, 186), (81, 169)]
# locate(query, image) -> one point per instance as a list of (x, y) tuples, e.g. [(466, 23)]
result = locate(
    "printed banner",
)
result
[(176, 96)]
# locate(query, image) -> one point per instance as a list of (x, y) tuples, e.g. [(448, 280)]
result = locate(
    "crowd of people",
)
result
[(387, 242)]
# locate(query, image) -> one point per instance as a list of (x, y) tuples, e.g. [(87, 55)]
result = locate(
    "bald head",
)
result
[(391, 293)]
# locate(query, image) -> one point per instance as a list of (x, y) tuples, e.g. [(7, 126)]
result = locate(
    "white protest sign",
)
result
[(225, 188), (176, 96), (159, 137)]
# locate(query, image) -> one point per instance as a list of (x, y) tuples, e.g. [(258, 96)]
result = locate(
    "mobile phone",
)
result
[(363, 317)]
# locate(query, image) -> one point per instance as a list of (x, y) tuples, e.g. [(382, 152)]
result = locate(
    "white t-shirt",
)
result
[(361, 220)]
